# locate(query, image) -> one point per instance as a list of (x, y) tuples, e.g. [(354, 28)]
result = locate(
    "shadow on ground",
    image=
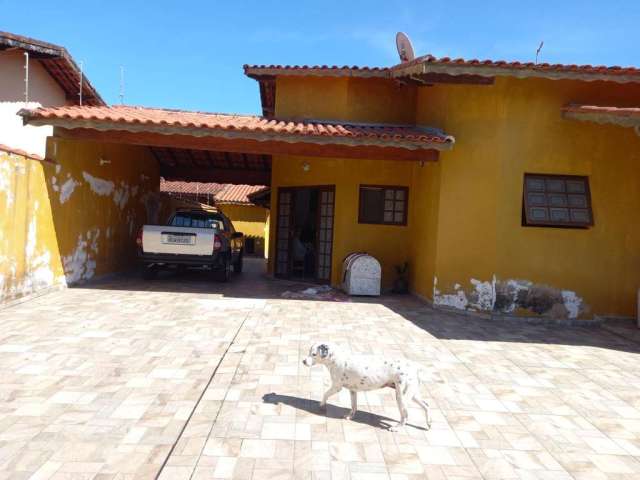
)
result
[(332, 411), (253, 283)]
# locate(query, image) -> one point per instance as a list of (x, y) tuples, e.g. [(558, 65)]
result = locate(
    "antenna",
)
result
[(26, 77), (121, 85), (405, 49), (80, 82), (538, 50)]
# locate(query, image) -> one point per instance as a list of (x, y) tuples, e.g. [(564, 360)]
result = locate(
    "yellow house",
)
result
[(530, 213), (508, 188)]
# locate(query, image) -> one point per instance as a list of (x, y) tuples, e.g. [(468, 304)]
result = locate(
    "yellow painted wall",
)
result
[(465, 241), (354, 99), (65, 223), (503, 131), (250, 220), (388, 243)]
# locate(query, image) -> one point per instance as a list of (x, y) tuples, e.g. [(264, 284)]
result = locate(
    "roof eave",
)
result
[(429, 66), (603, 118), (257, 72), (354, 141)]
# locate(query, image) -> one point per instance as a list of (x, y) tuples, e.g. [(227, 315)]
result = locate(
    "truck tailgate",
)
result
[(177, 240)]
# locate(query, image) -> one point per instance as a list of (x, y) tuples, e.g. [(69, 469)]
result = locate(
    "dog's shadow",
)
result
[(332, 411)]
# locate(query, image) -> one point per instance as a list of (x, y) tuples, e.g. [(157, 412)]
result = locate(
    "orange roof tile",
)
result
[(244, 126), (200, 188), (237, 194), (618, 111), (316, 70), (460, 66), (623, 116), (222, 193), (22, 153), (455, 66)]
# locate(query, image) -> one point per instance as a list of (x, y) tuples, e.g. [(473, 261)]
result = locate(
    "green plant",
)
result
[(401, 283)]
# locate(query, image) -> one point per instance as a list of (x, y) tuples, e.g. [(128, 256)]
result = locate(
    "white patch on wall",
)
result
[(121, 195), (38, 274), (98, 185), (6, 180), (484, 294), (572, 303), (81, 264), (67, 188), (454, 300)]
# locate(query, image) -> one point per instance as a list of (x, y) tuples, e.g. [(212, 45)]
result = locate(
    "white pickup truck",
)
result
[(202, 239)]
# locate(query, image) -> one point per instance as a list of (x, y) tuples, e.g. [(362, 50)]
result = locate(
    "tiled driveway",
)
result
[(115, 381)]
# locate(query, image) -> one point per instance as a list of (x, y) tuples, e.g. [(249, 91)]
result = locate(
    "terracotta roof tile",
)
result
[(17, 151), (316, 70), (622, 116), (516, 68), (222, 193), (237, 194), (117, 117), (191, 187), (617, 111)]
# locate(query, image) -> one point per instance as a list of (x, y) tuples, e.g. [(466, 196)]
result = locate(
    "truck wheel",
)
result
[(223, 274), (237, 267), (149, 272)]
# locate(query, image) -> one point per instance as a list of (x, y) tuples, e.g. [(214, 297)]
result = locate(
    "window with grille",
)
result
[(556, 201), (384, 205)]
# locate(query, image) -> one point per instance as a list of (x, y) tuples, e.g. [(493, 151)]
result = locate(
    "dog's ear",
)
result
[(323, 350)]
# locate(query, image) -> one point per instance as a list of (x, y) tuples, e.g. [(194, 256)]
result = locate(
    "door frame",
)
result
[(293, 189)]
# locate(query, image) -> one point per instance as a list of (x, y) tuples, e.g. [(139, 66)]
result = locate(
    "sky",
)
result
[(189, 54)]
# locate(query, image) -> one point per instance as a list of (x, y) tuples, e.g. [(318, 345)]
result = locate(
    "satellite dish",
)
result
[(405, 50)]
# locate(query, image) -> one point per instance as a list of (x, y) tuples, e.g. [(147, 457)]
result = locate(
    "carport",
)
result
[(120, 152)]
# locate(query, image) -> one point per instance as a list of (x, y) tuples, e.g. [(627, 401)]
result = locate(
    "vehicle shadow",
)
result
[(332, 411)]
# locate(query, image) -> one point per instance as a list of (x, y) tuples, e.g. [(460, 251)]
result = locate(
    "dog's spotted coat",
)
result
[(359, 373)]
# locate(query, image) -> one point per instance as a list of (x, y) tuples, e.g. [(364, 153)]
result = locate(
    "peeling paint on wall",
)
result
[(121, 195), (512, 296), (67, 188), (81, 264), (98, 185), (6, 176)]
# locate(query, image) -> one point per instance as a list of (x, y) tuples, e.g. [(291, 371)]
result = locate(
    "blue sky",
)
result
[(189, 54)]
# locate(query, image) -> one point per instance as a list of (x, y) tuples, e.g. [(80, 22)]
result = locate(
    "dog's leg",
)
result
[(401, 406), (354, 405), (425, 406), (333, 389)]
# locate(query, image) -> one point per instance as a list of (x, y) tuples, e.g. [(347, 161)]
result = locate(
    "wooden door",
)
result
[(283, 232), (325, 233)]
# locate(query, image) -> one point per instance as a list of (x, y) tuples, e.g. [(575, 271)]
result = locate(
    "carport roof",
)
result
[(180, 122)]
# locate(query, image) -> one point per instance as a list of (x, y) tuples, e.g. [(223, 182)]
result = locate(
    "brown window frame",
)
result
[(384, 188), (526, 205)]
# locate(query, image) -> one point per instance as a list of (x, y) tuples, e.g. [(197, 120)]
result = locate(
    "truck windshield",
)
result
[(197, 220)]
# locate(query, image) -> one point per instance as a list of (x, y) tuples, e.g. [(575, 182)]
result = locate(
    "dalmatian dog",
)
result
[(360, 373)]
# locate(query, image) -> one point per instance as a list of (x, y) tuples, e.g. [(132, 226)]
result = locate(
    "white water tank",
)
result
[(361, 275)]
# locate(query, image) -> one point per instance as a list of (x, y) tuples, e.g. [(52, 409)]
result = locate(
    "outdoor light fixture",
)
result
[(104, 161), (306, 167)]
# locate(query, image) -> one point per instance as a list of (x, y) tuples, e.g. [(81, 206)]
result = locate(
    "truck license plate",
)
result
[(180, 239)]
